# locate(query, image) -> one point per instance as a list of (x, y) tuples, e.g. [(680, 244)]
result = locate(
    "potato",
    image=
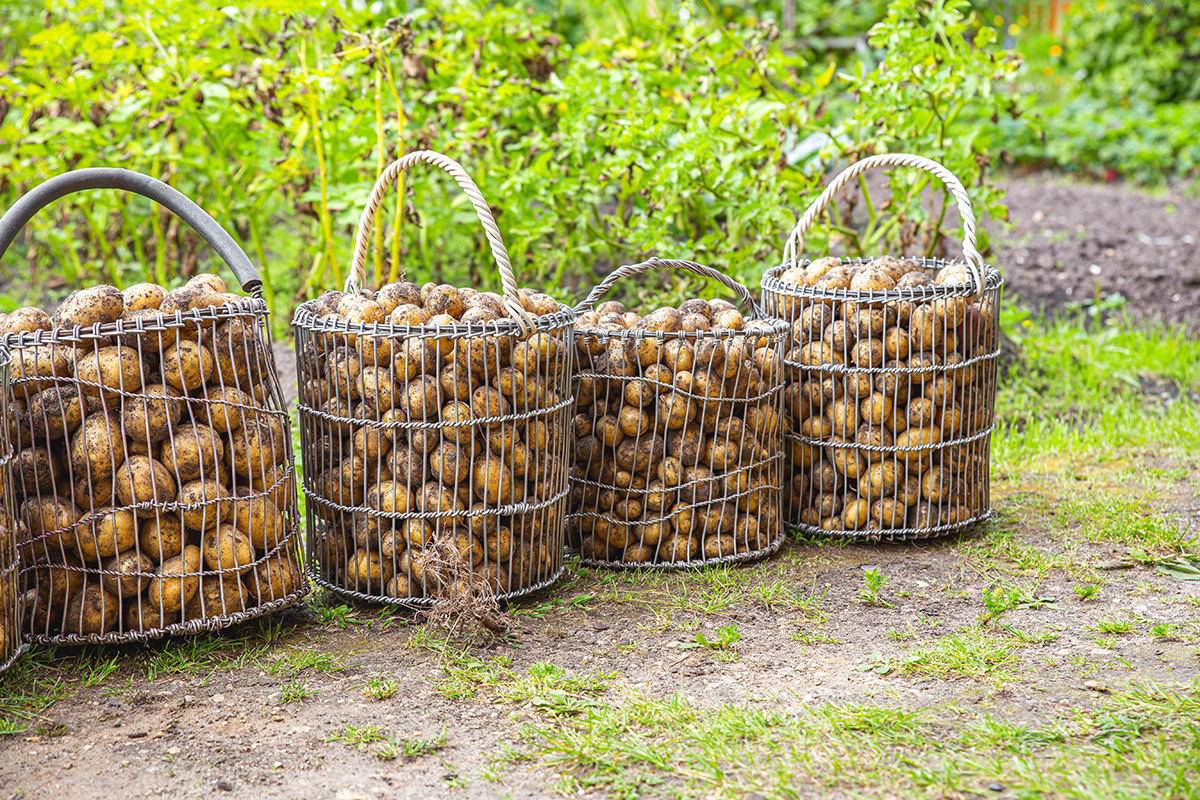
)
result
[(34, 470), (239, 354), (226, 409), (259, 519), (880, 481), (55, 412), (34, 368), (258, 445), (98, 447), (678, 547), (492, 480), (632, 421), (218, 595), (108, 372), (192, 452), (105, 532), (91, 611), (368, 573), (923, 439), (127, 574), (640, 454), (889, 513), (227, 548), (141, 480), (142, 296), (450, 463), (95, 305), (205, 504), (856, 514), (176, 581), (160, 537), (150, 415), (273, 579), (186, 365)]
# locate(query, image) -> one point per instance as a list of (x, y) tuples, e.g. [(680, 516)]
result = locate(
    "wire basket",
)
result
[(435, 454), (153, 466), (678, 453), (10, 595), (891, 382)]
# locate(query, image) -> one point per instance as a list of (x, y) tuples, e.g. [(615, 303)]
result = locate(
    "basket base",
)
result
[(738, 558), (188, 628), (893, 535), (426, 602)]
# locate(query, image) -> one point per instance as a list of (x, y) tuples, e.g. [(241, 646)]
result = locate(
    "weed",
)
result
[(727, 637), (357, 737), (1000, 599), (1029, 638), (873, 582), (1086, 591), (1113, 624), (296, 689), (381, 687), (1164, 630), (969, 652)]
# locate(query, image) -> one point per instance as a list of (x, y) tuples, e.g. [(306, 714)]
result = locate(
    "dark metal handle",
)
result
[(78, 180)]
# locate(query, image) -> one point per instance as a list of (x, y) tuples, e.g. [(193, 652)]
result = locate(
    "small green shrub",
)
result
[(1135, 49)]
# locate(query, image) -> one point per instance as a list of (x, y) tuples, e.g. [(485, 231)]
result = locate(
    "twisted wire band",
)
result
[(508, 281), (975, 266)]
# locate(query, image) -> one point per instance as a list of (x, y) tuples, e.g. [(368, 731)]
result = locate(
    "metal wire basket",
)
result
[(154, 467), (890, 398), (10, 595), (434, 455), (678, 453)]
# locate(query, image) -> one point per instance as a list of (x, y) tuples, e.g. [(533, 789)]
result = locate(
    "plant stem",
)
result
[(314, 120)]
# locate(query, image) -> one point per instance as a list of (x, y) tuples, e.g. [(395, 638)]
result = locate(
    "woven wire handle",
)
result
[(743, 294), (362, 241), (975, 266)]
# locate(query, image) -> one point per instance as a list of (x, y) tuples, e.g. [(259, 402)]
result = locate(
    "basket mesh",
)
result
[(678, 454), (153, 476), (434, 456), (889, 405)]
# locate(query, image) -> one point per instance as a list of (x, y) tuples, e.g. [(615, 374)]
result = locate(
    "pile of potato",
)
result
[(908, 384), (678, 437), (151, 479), (458, 437)]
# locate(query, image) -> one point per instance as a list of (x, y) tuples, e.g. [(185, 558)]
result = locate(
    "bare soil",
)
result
[(1076, 243)]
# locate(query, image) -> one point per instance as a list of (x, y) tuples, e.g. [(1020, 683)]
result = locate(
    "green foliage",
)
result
[(600, 136), (1134, 49)]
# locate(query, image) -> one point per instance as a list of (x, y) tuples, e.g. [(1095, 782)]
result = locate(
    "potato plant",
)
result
[(888, 404), (434, 449), (151, 475), (678, 434)]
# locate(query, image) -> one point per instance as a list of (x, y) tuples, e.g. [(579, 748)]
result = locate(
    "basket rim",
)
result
[(254, 307), (305, 319), (772, 284)]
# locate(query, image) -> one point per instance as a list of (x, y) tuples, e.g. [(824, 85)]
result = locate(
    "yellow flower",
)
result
[(1055, 50), (997, 20), (1013, 30), (1026, 323)]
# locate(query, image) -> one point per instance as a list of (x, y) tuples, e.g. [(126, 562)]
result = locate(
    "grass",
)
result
[(295, 689), (969, 652), (1141, 745)]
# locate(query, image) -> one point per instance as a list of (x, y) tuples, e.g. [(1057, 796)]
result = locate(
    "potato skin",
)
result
[(141, 479), (186, 365), (176, 581), (91, 612), (87, 307)]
